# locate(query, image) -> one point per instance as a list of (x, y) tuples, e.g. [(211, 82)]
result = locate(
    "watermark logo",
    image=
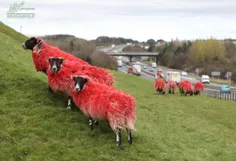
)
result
[(17, 10)]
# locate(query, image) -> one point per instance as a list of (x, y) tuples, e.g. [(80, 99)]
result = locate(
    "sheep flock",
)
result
[(91, 88), (185, 87)]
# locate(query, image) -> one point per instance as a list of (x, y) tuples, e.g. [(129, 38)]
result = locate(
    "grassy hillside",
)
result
[(11, 32), (35, 124)]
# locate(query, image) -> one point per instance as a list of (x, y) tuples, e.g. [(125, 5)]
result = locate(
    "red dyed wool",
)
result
[(102, 102), (159, 84), (60, 82), (172, 84), (198, 87), (42, 51), (187, 87)]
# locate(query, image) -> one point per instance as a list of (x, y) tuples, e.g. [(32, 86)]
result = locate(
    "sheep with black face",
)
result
[(101, 102), (41, 51), (60, 71)]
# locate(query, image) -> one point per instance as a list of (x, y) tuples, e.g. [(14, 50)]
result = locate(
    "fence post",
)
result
[(234, 96)]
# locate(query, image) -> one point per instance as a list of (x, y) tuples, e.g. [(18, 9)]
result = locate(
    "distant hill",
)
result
[(105, 40), (81, 48), (133, 48)]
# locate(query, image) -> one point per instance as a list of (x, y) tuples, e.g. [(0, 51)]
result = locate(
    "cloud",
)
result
[(140, 19)]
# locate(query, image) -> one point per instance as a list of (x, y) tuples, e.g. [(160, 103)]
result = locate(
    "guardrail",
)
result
[(151, 74), (219, 95)]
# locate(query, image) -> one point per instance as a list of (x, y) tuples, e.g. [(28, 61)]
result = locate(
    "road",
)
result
[(214, 93), (211, 90), (124, 69), (118, 48), (189, 78)]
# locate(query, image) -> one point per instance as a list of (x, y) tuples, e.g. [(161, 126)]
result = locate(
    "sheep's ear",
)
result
[(85, 80), (40, 45), (48, 59), (61, 60), (73, 77)]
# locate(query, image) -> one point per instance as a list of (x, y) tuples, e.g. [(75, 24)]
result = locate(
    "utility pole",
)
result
[(20, 29)]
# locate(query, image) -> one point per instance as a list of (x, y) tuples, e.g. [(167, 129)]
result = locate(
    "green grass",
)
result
[(221, 81), (35, 125), (12, 33)]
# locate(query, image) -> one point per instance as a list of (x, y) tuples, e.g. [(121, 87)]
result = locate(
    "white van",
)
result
[(137, 69), (205, 79), (154, 65), (119, 63)]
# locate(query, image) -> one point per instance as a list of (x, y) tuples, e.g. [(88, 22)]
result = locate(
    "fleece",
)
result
[(102, 102), (159, 84), (198, 87), (60, 82), (42, 51), (186, 86), (171, 85)]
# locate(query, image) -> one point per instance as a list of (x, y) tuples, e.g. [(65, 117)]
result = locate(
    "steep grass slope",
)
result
[(35, 125), (11, 32)]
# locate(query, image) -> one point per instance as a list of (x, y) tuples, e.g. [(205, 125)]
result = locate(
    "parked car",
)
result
[(225, 89)]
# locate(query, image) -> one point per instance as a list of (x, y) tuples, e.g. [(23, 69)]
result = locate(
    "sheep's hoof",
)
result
[(68, 108), (50, 89), (130, 142), (96, 122), (91, 127), (118, 143), (91, 124)]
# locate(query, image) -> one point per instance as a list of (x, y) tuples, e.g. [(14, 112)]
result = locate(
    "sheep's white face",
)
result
[(79, 83), (77, 87)]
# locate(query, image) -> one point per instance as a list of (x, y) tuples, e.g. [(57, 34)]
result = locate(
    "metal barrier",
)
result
[(223, 96)]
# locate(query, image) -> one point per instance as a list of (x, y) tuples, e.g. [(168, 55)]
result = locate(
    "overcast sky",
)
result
[(140, 19)]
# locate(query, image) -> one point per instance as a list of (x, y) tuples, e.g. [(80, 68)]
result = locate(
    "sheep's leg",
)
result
[(91, 123), (118, 137), (50, 89), (96, 122), (129, 136), (69, 103), (163, 92)]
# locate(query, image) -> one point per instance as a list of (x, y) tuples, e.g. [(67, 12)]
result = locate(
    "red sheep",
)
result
[(159, 86), (171, 86), (101, 102), (185, 87), (60, 71), (41, 51), (198, 88)]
